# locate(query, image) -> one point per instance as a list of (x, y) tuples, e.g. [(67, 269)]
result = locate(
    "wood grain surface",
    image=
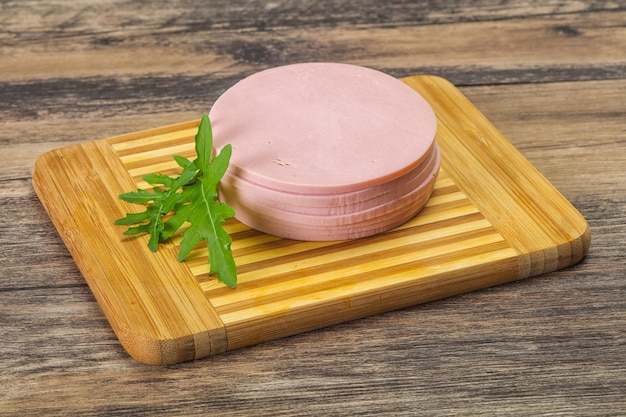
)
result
[(551, 75)]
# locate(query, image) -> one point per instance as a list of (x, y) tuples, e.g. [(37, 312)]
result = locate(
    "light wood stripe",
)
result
[(159, 139)]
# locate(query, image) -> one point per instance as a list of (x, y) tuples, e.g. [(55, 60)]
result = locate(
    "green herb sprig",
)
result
[(190, 198)]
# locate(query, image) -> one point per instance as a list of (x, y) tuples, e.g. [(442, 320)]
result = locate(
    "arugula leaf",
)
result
[(160, 201), (203, 210), (197, 204)]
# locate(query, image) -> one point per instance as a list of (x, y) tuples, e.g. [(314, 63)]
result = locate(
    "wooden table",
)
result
[(550, 75)]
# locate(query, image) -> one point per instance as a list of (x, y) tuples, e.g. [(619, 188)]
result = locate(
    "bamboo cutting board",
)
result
[(492, 218)]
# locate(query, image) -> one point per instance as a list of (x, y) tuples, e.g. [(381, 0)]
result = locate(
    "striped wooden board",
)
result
[(492, 218)]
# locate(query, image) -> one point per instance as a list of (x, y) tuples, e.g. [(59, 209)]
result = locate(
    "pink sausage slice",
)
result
[(318, 132)]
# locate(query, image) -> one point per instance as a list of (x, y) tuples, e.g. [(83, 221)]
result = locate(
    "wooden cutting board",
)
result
[(492, 218)]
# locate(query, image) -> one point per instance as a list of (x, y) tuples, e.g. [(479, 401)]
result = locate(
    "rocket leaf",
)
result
[(159, 202), (189, 198)]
